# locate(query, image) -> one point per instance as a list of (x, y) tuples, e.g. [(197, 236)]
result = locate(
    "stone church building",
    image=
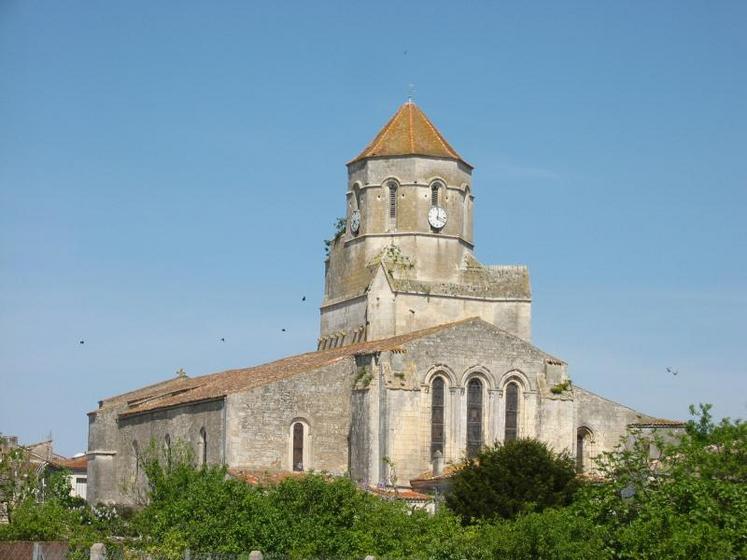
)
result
[(424, 353)]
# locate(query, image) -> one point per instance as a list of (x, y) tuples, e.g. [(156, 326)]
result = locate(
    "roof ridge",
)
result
[(216, 385), (439, 136)]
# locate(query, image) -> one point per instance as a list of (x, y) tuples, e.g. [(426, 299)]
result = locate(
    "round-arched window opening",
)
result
[(437, 415), (298, 447), (583, 449), (512, 412), (474, 417)]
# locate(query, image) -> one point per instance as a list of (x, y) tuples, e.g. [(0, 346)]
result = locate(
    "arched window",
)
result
[(392, 204), (583, 441), (202, 447), (437, 415), (474, 417), (356, 197), (298, 446), (512, 412), (435, 189)]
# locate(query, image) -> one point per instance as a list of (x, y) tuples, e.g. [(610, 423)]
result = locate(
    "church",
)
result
[(424, 354)]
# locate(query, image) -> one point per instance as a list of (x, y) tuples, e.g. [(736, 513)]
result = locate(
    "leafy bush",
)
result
[(509, 479), (689, 503), (554, 534)]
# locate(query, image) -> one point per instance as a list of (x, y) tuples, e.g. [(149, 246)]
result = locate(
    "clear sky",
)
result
[(168, 171)]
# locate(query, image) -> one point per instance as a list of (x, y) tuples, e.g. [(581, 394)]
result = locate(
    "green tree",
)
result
[(509, 479), (554, 534), (18, 477), (689, 503)]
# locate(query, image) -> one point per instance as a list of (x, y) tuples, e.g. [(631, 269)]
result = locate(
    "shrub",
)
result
[(508, 479)]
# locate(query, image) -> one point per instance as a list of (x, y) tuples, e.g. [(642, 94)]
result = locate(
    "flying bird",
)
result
[(222, 339), (282, 330), (672, 371), (82, 341), (303, 298)]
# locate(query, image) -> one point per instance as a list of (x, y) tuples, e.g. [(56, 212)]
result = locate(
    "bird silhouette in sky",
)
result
[(303, 298), (222, 339), (82, 341), (672, 371), (282, 330)]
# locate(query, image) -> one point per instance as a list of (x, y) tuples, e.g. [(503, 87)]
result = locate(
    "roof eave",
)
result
[(361, 158)]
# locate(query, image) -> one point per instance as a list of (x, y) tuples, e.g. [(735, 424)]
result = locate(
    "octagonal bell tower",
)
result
[(408, 244)]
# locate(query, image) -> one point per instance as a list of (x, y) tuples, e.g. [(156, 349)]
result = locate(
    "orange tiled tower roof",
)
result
[(409, 133)]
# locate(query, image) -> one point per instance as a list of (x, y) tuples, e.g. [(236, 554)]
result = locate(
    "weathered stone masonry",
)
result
[(423, 352)]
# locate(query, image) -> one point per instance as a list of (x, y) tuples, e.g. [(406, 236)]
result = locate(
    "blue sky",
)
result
[(168, 171)]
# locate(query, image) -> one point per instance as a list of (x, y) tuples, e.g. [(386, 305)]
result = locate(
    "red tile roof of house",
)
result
[(74, 463), (406, 494), (262, 477)]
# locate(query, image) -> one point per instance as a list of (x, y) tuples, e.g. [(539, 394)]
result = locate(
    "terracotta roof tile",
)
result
[(651, 422), (399, 494), (74, 464), (409, 132), (262, 478), (217, 385)]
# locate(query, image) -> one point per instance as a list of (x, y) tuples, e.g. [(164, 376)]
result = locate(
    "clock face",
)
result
[(437, 217), (355, 221)]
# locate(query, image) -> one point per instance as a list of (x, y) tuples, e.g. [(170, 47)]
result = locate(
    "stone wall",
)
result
[(605, 419), (415, 311), (471, 349), (113, 472), (259, 421)]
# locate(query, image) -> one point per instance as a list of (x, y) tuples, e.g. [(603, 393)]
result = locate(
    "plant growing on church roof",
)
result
[(339, 226), (561, 387), (363, 377)]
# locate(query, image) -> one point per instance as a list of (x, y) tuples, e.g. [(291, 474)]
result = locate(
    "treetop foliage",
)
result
[(512, 478), (520, 501)]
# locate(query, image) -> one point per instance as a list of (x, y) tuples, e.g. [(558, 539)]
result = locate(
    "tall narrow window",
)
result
[(437, 416), (512, 412), (474, 417), (583, 438), (356, 197), (203, 447), (434, 194), (298, 446), (392, 204)]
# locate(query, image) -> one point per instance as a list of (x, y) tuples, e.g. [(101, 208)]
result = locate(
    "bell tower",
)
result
[(408, 236)]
